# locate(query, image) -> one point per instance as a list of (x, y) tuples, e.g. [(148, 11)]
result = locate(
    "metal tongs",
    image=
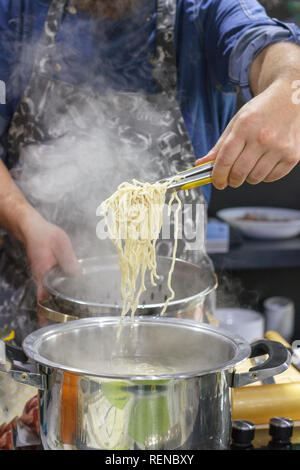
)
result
[(191, 178)]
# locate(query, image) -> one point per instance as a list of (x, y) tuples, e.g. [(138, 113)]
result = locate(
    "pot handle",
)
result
[(278, 361), (21, 369)]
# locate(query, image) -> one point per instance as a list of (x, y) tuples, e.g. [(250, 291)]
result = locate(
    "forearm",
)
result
[(15, 210), (276, 63)]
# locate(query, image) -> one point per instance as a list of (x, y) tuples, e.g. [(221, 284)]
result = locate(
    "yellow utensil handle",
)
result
[(196, 184)]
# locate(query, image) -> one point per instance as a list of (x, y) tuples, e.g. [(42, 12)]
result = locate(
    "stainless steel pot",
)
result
[(165, 384), (98, 291)]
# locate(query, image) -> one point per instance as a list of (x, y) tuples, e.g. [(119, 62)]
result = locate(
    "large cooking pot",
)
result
[(164, 385), (97, 291)]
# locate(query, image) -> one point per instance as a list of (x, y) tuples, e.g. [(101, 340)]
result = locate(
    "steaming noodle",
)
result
[(136, 216)]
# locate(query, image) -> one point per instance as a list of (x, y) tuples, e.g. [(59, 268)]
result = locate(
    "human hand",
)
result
[(46, 246), (261, 143)]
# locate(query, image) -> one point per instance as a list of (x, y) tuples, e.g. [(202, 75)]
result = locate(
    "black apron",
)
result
[(50, 116)]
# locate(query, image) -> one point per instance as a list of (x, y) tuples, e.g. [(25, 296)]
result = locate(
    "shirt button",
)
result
[(72, 10), (57, 67)]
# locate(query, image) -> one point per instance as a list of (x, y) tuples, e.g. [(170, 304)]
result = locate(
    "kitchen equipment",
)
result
[(97, 291), (281, 431), (13, 395), (259, 402), (165, 384), (280, 316), (192, 178), (242, 434), (244, 322), (7, 334), (265, 223)]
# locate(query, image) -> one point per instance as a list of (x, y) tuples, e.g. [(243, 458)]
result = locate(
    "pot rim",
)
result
[(59, 297), (32, 342)]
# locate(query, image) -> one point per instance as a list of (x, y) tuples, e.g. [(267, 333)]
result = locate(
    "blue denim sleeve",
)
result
[(251, 44), (234, 32)]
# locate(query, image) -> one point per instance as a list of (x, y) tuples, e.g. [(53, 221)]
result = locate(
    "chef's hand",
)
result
[(47, 246), (261, 143)]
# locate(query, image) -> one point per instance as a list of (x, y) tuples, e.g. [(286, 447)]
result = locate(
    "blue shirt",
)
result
[(216, 42)]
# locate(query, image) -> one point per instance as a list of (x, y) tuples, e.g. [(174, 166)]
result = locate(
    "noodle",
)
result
[(136, 213)]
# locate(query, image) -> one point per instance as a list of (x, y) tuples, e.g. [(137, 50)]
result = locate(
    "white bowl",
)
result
[(271, 223), (247, 323)]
